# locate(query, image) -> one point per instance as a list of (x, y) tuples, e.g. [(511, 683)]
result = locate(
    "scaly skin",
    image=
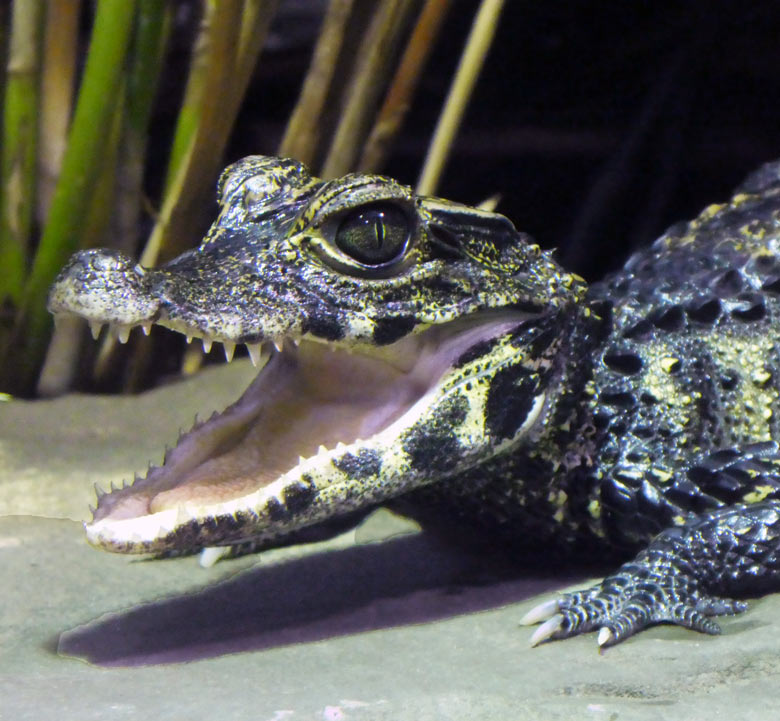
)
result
[(440, 360)]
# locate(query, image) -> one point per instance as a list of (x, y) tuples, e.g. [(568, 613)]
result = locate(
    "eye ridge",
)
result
[(374, 235)]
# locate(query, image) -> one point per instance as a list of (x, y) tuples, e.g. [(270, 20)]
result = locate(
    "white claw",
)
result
[(547, 630), (123, 333), (230, 348), (540, 613), (146, 327), (279, 345), (605, 636), (206, 344), (95, 328), (255, 353), (211, 554)]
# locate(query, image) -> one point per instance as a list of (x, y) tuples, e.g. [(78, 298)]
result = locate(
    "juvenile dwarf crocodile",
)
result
[(421, 352)]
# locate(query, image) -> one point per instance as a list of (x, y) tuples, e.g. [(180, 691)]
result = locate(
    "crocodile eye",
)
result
[(374, 235)]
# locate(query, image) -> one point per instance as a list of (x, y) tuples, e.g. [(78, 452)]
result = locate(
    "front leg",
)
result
[(677, 579)]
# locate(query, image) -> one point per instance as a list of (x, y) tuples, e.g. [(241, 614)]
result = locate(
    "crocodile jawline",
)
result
[(310, 405)]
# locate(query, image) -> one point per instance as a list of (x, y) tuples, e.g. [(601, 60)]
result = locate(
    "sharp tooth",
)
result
[(279, 345), (182, 516), (123, 333), (189, 338), (296, 342), (321, 449), (340, 446), (255, 353), (211, 554), (146, 327), (95, 327), (301, 459), (230, 348), (206, 344)]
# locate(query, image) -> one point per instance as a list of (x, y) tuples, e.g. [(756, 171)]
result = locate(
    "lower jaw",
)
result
[(306, 407)]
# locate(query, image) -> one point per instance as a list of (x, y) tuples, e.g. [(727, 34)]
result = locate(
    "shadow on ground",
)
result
[(408, 580)]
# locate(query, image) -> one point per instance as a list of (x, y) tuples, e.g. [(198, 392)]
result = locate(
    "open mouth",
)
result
[(312, 415)]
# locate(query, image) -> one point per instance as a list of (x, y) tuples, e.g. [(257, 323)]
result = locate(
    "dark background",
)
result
[(600, 123)]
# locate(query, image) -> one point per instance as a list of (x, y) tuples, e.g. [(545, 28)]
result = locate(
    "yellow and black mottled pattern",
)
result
[(273, 243), (647, 404), (691, 369), (647, 376), (273, 268), (675, 411)]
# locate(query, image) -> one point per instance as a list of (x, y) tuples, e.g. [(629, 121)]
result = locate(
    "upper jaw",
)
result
[(106, 287)]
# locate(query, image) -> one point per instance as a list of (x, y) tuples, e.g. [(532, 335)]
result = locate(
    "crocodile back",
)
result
[(690, 368)]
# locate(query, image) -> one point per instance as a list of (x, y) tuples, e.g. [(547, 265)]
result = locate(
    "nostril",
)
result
[(101, 263), (103, 260)]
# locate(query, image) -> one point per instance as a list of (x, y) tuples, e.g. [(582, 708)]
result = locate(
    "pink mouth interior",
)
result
[(304, 398)]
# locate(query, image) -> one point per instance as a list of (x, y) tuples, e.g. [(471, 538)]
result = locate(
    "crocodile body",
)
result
[(427, 355)]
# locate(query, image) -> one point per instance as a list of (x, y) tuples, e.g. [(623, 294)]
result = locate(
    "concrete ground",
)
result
[(383, 622)]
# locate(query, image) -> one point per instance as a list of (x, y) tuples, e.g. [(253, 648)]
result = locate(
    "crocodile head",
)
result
[(401, 339)]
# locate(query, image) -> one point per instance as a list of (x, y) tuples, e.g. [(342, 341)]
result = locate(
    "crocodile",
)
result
[(425, 355)]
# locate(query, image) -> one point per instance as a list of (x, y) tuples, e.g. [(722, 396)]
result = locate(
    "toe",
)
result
[(716, 606)]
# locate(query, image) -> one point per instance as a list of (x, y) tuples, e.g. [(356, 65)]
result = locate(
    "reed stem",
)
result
[(471, 62)]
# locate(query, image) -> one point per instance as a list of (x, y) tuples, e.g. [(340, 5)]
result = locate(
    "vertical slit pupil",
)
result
[(374, 234)]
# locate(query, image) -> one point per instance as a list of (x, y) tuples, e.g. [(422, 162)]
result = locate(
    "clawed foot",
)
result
[(627, 602)]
